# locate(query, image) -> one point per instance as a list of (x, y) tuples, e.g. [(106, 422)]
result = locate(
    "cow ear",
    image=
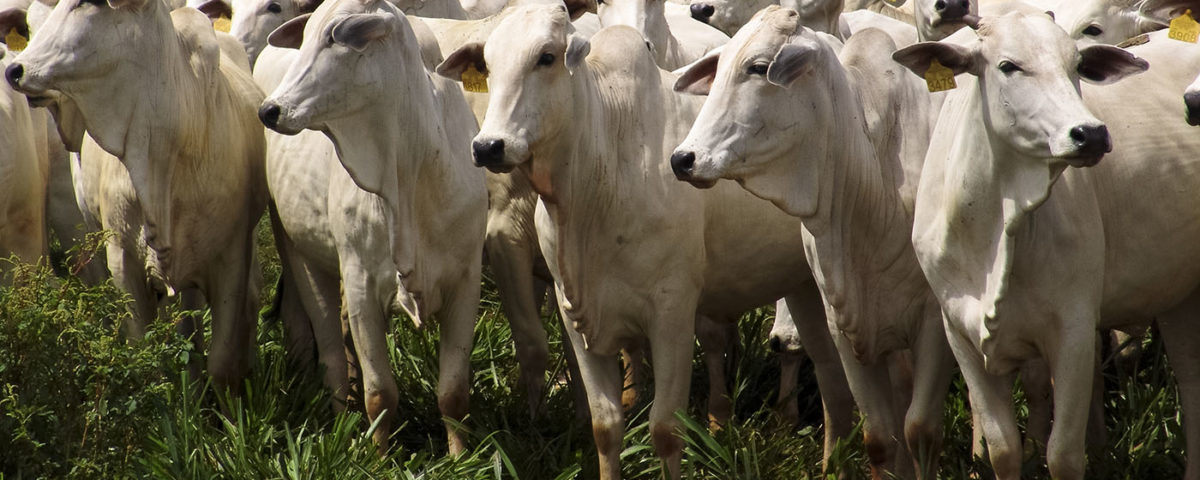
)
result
[(920, 56), (576, 8), (697, 77), (13, 18), (216, 9), (1165, 10), (290, 34), (1104, 64), (791, 61), (359, 30), (455, 64), (578, 48)]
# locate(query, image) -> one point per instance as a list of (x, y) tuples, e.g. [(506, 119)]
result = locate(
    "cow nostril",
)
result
[(966, 4), (1091, 139), (682, 163), (702, 11), (14, 73), (488, 152), (776, 345), (269, 114), (1078, 135), (1192, 102), (940, 5)]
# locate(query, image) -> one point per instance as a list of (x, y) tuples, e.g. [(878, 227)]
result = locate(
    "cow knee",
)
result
[(454, 403), (666, 440), (380, 400), (1066, 464), (607, 434), (880, 451), (226, 370)]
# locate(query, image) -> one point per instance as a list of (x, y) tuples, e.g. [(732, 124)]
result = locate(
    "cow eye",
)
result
[(274, 8), (545, 59), (757, 69), (1092, 31), (1009, 67), (98, 3)]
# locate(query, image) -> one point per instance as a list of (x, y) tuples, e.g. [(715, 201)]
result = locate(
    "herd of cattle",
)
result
[(906, 233)]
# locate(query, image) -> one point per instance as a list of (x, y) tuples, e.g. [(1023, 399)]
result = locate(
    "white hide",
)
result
[(182, 181), (784, 118), (23, 178), (602, 194), (404, 137), (674, 44), (1023, 271)]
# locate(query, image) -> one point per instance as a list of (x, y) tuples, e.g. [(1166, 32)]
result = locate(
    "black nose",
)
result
[(1192, 101), (1091, 140), (269, 114), (488, 152), (775, 344), (702, 11), (13, 74), (682, 163), (952, 9)]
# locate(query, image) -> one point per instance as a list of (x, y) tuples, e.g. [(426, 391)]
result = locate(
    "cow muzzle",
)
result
[(683, 163), (490, 154), (1192, 101), (271, 115), (702, 11), (950, 11), (1091, 143)]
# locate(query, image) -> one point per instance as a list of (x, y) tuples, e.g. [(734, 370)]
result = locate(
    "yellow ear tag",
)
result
[(15, 41), (222, 24), (474, 80), (1184, 28), (939, 78)]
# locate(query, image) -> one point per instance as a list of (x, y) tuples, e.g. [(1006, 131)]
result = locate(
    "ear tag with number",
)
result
[(222, 24), (15, 41), (939, 78), (474, 80), (1184, 28)]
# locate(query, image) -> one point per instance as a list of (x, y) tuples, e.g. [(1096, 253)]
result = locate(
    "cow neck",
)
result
[(598, 174), (860, 249), (415, 176), (158, 125), (987, 193)]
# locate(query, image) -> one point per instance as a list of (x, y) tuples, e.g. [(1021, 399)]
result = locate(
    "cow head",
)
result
[(937, 19), (529, 60), (1113, 21), (253, 20), (83, 41), (727, 15), (1029, 72), (768, 91)]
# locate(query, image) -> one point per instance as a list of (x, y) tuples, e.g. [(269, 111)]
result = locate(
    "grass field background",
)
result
[(79, 402)]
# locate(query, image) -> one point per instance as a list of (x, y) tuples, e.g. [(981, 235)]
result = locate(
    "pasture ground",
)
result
[(78, 402)]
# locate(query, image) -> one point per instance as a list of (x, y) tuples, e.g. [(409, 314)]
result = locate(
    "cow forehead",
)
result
[(330, 11), (528, 28), (765, 33), (1025, 37)]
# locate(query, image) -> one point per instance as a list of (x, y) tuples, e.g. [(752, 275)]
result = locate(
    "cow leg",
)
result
[(671, 350), (716, 339), (787, 406), (233, 297), (512, 263), (1181, 339), (991, 408), (457, 326), (872, 388), (297, 328), (368, 327), (1035, 379), (934, 367), (318, 293), (634, 359), (190, 328), (129, 273), (808, 314), (1072, 360), (602, 379)]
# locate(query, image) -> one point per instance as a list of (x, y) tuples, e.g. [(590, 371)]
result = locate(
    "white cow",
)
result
[(177, 149), (404, 137), (636, 256), (1113, 21), (784, 119), (1022, 272), (675, 41), (253, 20), (23, 178)]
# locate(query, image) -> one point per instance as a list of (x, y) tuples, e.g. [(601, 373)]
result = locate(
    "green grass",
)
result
[(77, 401)]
